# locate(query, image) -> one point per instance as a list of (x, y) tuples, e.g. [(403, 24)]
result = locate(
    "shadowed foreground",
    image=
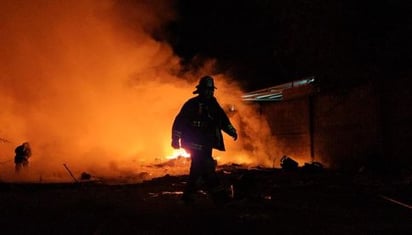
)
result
[(268, 201)]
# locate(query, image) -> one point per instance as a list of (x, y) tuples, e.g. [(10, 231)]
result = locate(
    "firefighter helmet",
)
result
[(205, 82)]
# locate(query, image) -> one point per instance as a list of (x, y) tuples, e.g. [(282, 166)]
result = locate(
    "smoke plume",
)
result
[(88, 86)]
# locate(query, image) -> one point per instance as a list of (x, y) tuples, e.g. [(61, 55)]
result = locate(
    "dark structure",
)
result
[(365, 125)]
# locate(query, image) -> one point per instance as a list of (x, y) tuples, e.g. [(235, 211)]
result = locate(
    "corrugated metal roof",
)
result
[(276, 93)]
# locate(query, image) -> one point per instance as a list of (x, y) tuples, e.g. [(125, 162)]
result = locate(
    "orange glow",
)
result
[(179, 153), (88, 92)]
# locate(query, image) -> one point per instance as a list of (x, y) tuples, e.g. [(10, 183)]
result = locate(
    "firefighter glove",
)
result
[(234, 136), (232, 132), (175, 143)]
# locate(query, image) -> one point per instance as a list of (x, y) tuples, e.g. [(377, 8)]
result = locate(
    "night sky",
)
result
[(266, 42)]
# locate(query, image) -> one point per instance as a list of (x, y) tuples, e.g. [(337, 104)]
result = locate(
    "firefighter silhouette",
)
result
[(198, 129), (23, 153)]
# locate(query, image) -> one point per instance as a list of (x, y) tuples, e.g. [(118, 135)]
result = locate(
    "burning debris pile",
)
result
[(74, 107)]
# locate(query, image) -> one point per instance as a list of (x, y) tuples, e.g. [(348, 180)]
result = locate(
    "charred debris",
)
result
[(248, 183)]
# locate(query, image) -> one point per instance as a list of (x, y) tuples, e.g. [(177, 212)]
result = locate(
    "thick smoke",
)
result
[(89, 87)]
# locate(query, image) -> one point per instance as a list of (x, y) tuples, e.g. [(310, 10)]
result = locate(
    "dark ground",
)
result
[(269, 201)]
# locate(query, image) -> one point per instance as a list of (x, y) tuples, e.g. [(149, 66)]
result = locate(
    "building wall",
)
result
[(396, 102), (351, 129), (347, 129), (289, 123)]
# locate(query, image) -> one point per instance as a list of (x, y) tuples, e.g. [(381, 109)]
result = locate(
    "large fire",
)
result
[(91, 92)]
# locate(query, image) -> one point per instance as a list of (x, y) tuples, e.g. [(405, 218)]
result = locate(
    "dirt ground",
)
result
[(266, 201)]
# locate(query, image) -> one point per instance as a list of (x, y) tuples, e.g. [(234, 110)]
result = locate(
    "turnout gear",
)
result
[(198, 129), (23, 153), (200, 123)]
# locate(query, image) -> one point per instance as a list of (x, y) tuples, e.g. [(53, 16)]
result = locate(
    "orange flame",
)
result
[(97, 96), (178, 153)]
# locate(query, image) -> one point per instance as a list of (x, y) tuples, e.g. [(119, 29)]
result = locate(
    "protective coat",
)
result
[(200, 123)]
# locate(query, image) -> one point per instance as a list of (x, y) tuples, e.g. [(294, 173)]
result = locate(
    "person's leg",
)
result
[(17, 167), (195, 174), (216, 190), (25, 163), (191, 186)]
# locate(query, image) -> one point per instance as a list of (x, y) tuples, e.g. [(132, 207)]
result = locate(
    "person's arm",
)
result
[(226, 125), (28, 152), (176, 132), (178, 126)]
